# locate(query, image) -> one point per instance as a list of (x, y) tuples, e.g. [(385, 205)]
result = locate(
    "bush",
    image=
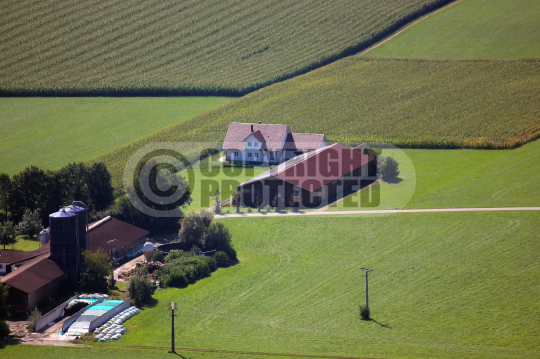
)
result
[(4, 329), (387, 167), (186, 269), (364, 312), (174, 254), (220, 256), (158, 256), (33, 318), (139, 287)]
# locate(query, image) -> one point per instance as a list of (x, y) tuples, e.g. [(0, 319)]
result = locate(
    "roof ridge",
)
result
[(311, 154), (99, 223)]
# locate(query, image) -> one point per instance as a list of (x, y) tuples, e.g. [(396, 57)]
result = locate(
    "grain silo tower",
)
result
[(63, 238), (82, 223)]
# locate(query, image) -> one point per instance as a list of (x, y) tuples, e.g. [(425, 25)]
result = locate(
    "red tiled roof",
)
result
[(257, 134), (13, 257), (35, 274), (272, 135), (304, 141), (323, 167), (111, 228)]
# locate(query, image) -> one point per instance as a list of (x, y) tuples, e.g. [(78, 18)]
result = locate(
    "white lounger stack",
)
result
[(114, 329)]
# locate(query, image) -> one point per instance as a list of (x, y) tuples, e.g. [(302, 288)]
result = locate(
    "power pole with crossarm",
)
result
[(173, 306)]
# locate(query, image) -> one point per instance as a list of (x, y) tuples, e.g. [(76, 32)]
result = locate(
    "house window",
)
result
[(255, 144), (249, 144), (249, 154), (236, 154), (256, 155), (271, 155)]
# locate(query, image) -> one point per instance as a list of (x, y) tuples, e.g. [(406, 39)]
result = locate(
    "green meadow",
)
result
[(458, 178), (52, 132), (444, 285), (472, 29)]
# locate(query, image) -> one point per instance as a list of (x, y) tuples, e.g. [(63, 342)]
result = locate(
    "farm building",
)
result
[(261, 143), (12, 260), (36, 280), (128, 237), (312, 179)]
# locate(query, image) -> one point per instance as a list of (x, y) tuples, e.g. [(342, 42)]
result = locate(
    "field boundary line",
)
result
[(378, 211), (406, 27), (241, 352)]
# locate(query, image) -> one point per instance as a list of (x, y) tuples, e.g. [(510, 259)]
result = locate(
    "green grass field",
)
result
[(472, 29), (199, 48), (24, 243), (445, 285), (52, 132), (442, 103), (459, 178)]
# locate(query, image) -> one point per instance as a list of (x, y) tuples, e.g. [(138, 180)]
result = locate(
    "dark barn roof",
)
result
[(33, 275), (318, 168), (14, 257), (111, 228)]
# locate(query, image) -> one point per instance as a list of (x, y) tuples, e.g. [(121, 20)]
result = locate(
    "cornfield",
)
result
[(167, 47)]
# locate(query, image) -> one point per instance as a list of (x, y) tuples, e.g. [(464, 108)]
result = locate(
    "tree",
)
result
[(30, 189), (33, 318), (4, 310), (388, 167), (98, 182), (193, 226), (30, 224), (259, 202), (96, 267), (217, 200), (5, 189), (277, 203), (7, 234), (217, 237), (140, 287), (237, 200)]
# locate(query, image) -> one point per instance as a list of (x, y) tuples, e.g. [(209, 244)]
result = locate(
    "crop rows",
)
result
[(410, 103), (177, 47)]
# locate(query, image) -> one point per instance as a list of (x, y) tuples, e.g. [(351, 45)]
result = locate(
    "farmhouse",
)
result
[(312, 179), (263, 143)]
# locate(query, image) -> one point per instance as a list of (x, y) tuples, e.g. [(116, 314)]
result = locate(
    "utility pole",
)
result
[(111, 243), (173, 305), (367, 271)]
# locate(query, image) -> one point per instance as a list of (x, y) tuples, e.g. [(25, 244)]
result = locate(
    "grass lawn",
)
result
[(52, 132), (24, 243), (206, 180), (460, 178), (49, 352), (445, 285), (472, 29)]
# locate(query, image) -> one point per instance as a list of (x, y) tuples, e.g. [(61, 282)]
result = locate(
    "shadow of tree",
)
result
[(392, 180)]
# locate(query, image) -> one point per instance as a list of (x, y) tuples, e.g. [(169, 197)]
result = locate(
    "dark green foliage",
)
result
[(237, 201), (33, 318), (198, 229), (111, 282), (217, 202), (193, 227), (175, 254), (158, 256), (5, 189), (220, 255), (186, 269), (388, 167), (7, 234), (96, 267), (139, 286), (4, 310), (30, 225), (98, 182), (364, 312)]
